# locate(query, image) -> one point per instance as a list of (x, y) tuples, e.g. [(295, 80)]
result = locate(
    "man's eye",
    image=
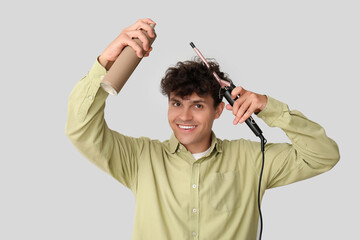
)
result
[(176, 104), (198, 106)]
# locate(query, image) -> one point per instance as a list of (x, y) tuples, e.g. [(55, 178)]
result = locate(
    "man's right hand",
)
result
[(126, 38)]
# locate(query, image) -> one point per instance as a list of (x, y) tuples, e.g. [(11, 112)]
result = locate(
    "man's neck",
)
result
[(199, 148)]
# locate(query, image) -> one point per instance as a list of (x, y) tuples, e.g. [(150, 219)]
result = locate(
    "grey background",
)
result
[(305, 53)]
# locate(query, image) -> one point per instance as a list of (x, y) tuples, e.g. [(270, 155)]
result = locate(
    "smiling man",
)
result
[(191, 116), (194, 185)]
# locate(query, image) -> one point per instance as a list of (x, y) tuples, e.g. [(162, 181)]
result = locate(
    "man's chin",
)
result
[(184, 140)]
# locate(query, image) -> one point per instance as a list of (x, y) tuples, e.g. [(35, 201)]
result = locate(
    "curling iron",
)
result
[(228, 87)]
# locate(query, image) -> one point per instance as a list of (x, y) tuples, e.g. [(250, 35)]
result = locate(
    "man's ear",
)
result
[(219, 109)]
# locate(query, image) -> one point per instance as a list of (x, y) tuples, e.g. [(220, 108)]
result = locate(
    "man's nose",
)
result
[(186, 114)]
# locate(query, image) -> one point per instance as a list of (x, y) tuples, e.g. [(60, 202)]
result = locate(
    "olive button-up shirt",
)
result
[(212, 198)]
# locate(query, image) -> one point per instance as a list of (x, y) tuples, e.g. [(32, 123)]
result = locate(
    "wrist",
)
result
[(104, 62), (263, 101)]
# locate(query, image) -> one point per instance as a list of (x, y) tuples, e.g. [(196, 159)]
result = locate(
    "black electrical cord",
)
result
[(263, 142), (257, 131)]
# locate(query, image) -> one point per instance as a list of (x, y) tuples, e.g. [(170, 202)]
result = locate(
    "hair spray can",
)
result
[(122, 68)]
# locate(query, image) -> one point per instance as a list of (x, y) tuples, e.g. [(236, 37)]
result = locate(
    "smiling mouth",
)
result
[(186, 127)]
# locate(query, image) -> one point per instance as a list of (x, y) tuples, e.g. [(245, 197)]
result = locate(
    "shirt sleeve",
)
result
[(86, 128), (310, 153)]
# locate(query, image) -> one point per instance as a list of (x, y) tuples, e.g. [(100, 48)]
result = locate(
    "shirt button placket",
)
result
[(195, 201)]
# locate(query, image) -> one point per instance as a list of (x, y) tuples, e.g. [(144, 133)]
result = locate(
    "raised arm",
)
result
[(310, 153), (86, 127)]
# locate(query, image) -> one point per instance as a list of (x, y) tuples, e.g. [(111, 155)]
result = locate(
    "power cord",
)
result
[(263, 142)]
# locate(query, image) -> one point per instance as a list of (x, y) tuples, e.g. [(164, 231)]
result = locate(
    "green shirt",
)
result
[(213, 198)]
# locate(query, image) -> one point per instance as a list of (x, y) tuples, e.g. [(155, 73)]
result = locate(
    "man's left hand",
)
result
[(247, 104)]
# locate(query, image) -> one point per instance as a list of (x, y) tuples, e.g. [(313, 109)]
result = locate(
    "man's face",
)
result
[(191, 119)]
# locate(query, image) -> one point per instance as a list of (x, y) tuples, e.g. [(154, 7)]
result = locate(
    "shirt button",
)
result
[(263, 117), (102, 77), (194, 234), (179, 150), (91, 97), (195, 210), (194, 186)]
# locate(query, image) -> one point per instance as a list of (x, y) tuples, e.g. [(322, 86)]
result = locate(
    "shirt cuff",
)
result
[(273, 110), (95, 75)]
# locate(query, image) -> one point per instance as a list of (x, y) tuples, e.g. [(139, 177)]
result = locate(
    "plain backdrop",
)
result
[(305, 53)]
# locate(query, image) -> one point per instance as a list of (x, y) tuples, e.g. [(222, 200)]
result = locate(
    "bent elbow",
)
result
[(323, 160), (335, 155), (332, 156)]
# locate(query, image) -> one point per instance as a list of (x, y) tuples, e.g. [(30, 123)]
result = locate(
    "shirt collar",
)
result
[(215, 143)]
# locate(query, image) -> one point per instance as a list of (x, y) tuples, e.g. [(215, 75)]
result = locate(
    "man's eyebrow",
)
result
[(199, 101), (196, 101), (173, 99)]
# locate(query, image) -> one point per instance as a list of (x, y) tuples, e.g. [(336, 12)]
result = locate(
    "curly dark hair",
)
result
[(189, 77)]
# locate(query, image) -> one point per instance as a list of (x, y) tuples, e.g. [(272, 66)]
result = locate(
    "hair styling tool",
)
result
[(227, 87)]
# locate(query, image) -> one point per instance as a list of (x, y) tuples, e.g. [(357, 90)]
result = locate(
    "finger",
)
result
[(237, 91), (139, 34), (148, 21), (242, 110), (247, 114), (137, 48), (148, 52), (237, 104), (140, 24), (145, 24), (147, 28)]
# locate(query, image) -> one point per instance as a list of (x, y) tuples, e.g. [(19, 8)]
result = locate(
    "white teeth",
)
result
[(186, 127)]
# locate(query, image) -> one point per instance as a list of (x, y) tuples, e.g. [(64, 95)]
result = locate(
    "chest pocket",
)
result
[(225, 191)]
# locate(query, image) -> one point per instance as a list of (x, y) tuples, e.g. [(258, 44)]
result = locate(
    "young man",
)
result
[(194, 185)]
